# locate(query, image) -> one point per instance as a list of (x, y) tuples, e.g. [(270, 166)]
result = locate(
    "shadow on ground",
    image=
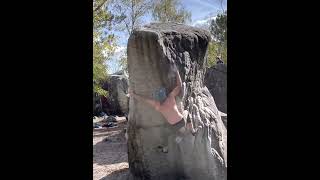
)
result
[(111, 150), (117, 175)]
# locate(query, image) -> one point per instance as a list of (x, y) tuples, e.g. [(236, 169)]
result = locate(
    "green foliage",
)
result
[(218, 47), (100, 91), (130, 13), (212, 53), (218, 27), (224, 54), (124, 62), (103, 42), (170, 11)]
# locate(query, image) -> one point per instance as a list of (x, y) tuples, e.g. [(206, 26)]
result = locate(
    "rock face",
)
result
[(216, 81), (97, 105), (155, 150), (117, 102), (224, 118)]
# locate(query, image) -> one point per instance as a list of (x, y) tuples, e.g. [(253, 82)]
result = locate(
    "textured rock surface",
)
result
[(216, 81), (117, 102), (97, 109), (155, 150), (224, 118)]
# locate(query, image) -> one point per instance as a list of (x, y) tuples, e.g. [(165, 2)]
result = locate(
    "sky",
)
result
[(201, 12)]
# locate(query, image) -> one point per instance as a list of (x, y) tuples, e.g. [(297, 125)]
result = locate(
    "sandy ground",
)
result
[(110, 158)]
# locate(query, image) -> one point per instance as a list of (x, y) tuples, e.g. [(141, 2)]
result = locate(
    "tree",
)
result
[(212, 53), (221, 4), (103, 42), (218, 27), (218, 46), (170, 11), (131, 13), (123, 62)]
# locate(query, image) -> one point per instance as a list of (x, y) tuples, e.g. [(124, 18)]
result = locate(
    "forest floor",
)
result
[(110, 158)]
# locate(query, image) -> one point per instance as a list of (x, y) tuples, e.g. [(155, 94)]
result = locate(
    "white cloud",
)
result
[(120, 49), (207, 3), (113, 63), (203, 22), (118, 52)]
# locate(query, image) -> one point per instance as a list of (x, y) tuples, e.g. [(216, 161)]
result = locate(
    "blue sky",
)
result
[(201, 11)]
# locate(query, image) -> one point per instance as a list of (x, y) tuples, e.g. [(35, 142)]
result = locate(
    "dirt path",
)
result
[(110, 158)]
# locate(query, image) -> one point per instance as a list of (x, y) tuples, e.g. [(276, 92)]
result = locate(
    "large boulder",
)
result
[(117, 102), (216, 81), (155, 149)]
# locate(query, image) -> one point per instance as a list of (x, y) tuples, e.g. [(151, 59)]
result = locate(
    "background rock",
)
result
[(117, 103), (216, 81), (152, 52)]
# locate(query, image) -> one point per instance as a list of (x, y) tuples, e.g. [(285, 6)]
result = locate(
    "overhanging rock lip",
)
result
[(143, 31)]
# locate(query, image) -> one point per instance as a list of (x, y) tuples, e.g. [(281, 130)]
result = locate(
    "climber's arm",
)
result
[(178, 87), (153, 103)]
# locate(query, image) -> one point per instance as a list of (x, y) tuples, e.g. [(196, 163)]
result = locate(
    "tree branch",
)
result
[(100, 5)]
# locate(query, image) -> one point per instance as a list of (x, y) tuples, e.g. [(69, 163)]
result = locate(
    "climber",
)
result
[(166, 105)]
